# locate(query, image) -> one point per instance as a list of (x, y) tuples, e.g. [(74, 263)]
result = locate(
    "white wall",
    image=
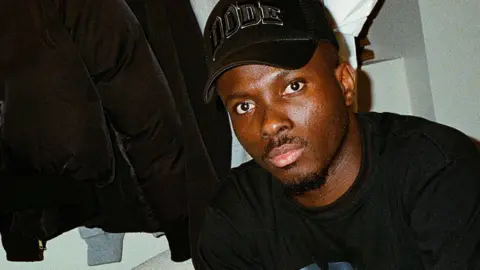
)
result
[(384, 87), (397, 32), (69, 252), (440, 43), (452, 40)]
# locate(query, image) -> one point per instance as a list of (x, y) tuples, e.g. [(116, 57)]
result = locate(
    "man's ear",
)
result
[(346, 77)]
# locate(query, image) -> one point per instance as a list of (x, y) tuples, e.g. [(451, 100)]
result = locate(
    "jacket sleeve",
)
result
[(22, 199), (135, 97), (19, 248), (446, 216)]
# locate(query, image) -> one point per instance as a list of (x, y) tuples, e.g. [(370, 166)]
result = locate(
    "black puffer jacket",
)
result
[(90, 134), (176, 39), (177, 42)]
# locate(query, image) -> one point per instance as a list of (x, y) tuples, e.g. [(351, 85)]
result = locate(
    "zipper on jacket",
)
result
[(41, 246)]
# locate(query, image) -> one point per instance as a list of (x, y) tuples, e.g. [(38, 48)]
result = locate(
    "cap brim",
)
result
[(291, 54)]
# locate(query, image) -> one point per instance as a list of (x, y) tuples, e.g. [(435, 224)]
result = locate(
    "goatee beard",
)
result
[(308, 183)]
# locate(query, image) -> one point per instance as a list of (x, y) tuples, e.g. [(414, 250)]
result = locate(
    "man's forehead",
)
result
[(250, 75), (252, 71)]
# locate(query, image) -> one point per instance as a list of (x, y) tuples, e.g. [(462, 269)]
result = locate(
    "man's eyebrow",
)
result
[(282, 73), (279, 74), (236, 95)]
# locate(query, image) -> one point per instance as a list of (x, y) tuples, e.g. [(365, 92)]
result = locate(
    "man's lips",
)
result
[(285, 155)]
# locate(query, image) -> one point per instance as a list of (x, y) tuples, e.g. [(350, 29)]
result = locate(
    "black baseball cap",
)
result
[(280, 33)]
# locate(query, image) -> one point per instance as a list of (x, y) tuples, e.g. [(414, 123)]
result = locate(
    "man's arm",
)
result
[(225, 245), (446, 217)]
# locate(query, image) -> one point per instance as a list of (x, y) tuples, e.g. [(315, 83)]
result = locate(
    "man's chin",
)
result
[(299, 188), (297, 180)]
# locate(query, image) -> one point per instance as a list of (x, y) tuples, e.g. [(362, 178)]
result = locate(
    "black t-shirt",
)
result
[(414, 205)]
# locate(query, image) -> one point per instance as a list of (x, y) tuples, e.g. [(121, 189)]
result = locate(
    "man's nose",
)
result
[(274, 122)]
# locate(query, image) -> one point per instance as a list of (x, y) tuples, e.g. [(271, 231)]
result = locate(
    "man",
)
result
[(379, 191)]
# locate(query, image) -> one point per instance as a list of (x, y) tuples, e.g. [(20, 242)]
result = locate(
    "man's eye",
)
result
[(244, 107), (294, 87)]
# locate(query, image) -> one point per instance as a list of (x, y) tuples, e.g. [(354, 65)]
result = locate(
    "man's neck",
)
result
[(342, 173)]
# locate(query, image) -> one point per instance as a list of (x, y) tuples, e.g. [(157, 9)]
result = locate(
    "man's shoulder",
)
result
[(414, 153), (244, 191), (422, 136)]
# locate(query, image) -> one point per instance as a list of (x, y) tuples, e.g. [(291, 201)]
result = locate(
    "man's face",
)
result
[(292, 122)]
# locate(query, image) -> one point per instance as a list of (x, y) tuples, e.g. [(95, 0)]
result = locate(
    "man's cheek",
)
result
[(304, 113), (254, 150)]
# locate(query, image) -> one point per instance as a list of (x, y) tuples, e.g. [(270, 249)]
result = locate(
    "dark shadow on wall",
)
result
[(364, 91), (364, 82), (368, 24)]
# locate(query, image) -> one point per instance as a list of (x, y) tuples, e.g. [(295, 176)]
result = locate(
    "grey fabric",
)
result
[(311, 267), (340, 266), (102, 247)]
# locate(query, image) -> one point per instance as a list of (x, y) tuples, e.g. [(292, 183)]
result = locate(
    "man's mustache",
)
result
[(279, 141)]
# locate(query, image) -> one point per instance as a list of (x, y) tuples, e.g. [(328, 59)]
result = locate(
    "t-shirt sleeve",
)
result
[(445, 216)]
